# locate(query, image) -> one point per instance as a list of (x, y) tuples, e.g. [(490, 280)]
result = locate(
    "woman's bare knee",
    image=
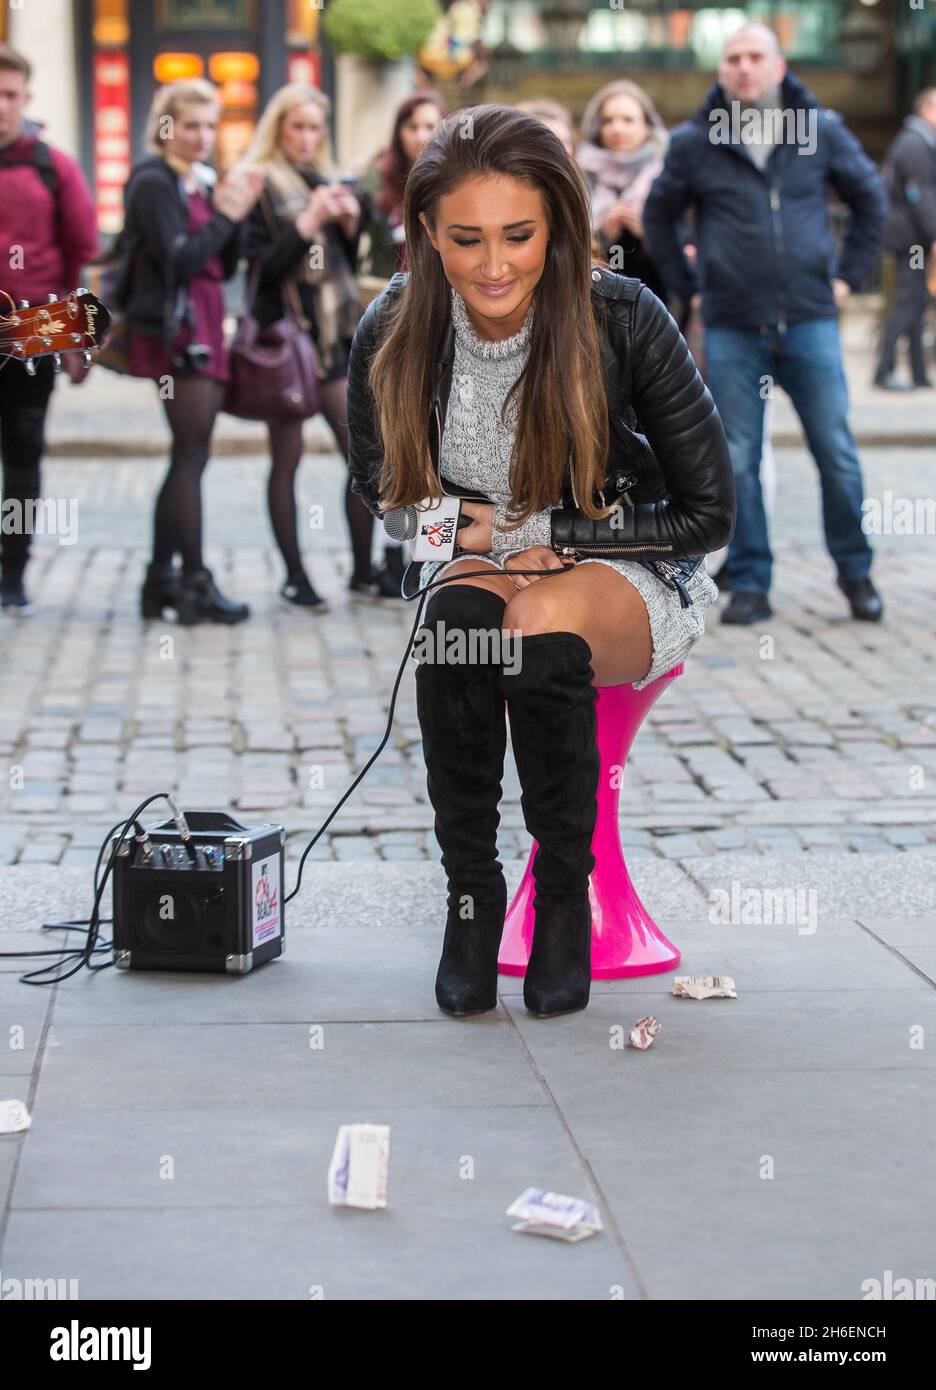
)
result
[(535, 610)]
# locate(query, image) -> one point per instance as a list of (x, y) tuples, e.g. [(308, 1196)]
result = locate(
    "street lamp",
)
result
[(863, 42), (504, 64), (563, 22)]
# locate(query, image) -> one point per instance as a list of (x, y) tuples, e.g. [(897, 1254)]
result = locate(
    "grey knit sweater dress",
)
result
[(476, 448)]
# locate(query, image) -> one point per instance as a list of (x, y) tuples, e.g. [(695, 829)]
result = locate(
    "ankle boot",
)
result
[(464, 734), (553, 729), (389, 578), (201, 601), (161, 588)]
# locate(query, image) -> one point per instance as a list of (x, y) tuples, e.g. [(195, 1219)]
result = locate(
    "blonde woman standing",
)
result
[(182, 236), (305, 228)]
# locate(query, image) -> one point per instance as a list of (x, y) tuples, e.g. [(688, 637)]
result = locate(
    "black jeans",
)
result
[(905, 320), (24, 401)]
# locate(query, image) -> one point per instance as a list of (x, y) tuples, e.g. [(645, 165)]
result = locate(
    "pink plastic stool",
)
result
[(625, 939)]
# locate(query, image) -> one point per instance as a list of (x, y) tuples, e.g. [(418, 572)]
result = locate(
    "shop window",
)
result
[(652, 33)]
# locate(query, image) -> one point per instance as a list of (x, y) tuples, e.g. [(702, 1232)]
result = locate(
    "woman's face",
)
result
[(491, 234), (415, 131), (301, 133), (192, 131), (623, 124)]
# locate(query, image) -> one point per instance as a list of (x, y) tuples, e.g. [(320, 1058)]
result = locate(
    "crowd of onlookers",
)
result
[(732, 232)]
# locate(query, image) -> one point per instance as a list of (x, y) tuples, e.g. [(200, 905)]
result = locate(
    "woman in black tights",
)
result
[(183, 239), (305, 229)]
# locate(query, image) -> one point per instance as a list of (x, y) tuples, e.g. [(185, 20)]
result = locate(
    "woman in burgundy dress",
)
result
[(183, 242)]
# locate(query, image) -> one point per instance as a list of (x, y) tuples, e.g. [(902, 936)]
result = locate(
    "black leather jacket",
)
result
[(668, 462)]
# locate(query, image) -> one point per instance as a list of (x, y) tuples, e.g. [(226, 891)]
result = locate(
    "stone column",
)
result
[(366, 98), (44, 32)]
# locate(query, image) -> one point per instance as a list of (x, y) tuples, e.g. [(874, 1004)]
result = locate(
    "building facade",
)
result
[(97, 63)]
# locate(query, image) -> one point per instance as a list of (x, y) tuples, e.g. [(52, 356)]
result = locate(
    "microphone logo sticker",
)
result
[(439, 533), (266, 901)]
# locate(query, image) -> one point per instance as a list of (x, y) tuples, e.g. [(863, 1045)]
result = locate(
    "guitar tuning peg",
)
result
[(86, 357), (56, 361), (30, 366), (51, 297), (23, 304)]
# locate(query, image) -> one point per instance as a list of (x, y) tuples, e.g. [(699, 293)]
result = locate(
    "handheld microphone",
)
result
[(400, 523), (431, 526)]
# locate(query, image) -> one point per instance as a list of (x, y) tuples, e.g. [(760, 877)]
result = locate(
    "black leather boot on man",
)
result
[(464, 732), (553, 729)]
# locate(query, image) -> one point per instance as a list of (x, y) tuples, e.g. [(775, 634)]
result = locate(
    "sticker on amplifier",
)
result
[(265, 900)]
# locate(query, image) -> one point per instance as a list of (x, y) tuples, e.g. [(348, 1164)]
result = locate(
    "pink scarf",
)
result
[(612, 175)]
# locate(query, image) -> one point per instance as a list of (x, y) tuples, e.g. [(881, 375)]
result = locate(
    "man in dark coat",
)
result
[(910, 233), (755, 163)]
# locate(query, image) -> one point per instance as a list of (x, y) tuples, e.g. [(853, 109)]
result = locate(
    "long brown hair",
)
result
[(562, 402)]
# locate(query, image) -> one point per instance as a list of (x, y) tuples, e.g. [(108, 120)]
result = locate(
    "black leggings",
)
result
[(24, 400), (286, 455), (177, 521)]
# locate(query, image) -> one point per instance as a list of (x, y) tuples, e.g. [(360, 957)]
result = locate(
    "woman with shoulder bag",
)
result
[(301, 243), (185, 233), (549, 363)]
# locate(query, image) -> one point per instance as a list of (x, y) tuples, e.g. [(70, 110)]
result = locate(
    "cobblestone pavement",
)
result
[(810, 732)]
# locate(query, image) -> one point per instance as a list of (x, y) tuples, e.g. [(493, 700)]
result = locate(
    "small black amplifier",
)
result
[(213, 903)]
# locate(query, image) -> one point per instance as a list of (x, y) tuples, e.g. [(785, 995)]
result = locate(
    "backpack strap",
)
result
[(41, 161)]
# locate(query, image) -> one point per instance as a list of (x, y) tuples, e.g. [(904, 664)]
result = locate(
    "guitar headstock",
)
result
[(77, 323)]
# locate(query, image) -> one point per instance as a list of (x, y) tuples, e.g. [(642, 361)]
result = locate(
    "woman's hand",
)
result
[(347, 210), (317, 211), (613, 218), (237, 192), (477, 536), (329, 202), (632, 220), (539, 557)]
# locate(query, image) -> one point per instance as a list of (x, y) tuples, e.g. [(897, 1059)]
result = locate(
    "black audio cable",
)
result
[(82, 956), (92, 946), (420, 594)]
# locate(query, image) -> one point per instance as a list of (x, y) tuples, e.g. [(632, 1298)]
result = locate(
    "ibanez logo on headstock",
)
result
[(77, 323)]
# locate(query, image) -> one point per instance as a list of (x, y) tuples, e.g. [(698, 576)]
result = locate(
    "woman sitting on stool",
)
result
[(504, 363)]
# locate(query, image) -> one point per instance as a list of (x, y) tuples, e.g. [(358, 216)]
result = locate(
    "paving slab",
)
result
[(846, 885), (298, 1253), (785, 1185)]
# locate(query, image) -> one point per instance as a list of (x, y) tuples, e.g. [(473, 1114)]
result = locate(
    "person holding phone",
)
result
[(305, 230)]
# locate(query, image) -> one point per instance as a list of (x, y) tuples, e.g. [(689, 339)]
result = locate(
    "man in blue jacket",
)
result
[(754, 163)]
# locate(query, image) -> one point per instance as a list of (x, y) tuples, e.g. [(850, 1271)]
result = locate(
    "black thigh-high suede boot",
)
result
[(553, 729), (464, 733)]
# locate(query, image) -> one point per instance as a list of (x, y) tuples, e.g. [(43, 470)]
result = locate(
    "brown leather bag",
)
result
[(274, 370)]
